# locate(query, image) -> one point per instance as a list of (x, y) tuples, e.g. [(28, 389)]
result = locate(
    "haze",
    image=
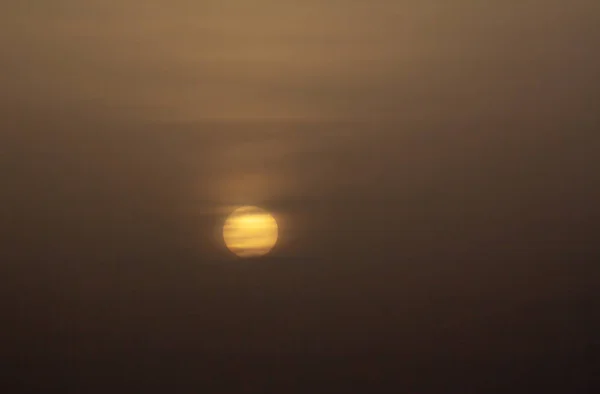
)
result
[(432, 166)]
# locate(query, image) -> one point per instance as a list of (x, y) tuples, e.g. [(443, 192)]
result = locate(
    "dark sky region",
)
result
[(434, 167)]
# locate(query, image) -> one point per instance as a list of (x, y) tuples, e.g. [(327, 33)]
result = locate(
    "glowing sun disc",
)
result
[(250, 232)]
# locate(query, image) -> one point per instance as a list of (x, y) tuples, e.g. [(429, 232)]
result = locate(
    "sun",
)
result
[(250, 232)]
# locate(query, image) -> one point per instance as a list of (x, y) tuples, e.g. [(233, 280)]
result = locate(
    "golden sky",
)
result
[(191, 60)]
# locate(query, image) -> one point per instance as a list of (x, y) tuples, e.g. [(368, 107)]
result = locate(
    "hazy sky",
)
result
[(189, 60), (432, 166)]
